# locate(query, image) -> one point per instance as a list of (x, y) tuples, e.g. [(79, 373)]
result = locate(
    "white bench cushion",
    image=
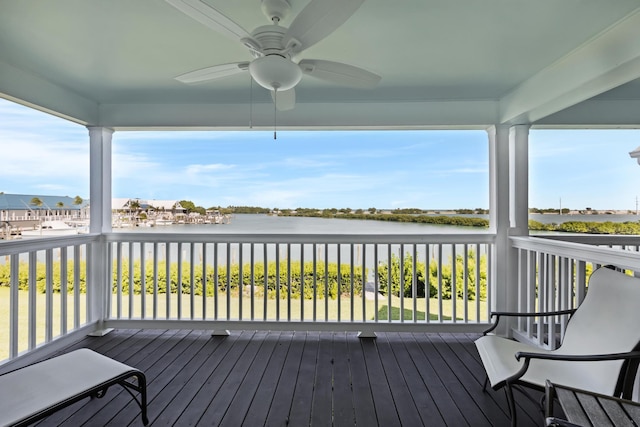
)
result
[(45, 384)]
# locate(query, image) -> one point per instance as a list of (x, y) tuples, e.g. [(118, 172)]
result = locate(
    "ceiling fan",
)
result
[(275, 48)]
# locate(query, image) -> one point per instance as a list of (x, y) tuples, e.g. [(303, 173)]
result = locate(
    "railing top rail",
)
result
[(303, 238), (594, 239), (584, 252), (38, 244)]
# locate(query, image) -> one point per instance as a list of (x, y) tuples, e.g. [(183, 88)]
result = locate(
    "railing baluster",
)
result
[(339, 279), (252, 281), (454, 284), (192, 293), (216, 283), (228, 282), (14, 308), (204, 280), (89, 289), (581, 282), (63, 289), (414, 283), (365, 276), (48, 324), (465, 278), (76, 285), (119, 280), (302, 282), (542, 288), (401, 279), (167, 259), (389, 284), (427, 285), (289, 281), (240, 280), (179, 282), (376, 283), (315, 282), (326, 282), (143, 282), (33, 309), (131, 284), (155, 280), (265, 258), (478, 284), (351, 277), (439, 282)]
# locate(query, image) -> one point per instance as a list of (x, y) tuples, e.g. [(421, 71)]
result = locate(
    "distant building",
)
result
[(148, 206), (34, 206)]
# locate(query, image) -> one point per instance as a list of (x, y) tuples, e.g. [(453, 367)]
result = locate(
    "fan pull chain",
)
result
[(275, 113), (250, 102)]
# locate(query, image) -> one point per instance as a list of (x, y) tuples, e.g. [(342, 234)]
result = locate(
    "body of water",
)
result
[(267, 224)]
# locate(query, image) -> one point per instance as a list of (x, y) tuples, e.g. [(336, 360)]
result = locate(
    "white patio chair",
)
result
[(599, 351)]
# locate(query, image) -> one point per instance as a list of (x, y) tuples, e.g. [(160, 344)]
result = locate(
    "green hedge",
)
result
[(446, 277), (233, 281), (302, 282), (41, 276)]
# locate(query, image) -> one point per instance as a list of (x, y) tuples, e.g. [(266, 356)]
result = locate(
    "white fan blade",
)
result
[(337, 72), (210, 17), (215, 72), (317, 20), (285, 100)]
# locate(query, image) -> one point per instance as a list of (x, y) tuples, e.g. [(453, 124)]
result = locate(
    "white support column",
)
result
[(100, 211), (100, 179), (519, 180), (509, 209), (499, 216)]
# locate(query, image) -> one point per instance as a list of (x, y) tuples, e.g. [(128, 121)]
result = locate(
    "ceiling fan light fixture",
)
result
[(275, 72)]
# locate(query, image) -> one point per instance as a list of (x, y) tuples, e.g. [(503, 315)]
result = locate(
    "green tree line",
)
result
[(419, 219), (589, 227)]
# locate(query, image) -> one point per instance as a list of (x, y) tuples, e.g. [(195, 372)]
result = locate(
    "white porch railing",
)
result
[(336, 282), (43, 292), (279, 281), (553, 275)]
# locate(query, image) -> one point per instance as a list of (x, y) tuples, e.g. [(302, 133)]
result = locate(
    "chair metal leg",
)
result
[(512, 404)]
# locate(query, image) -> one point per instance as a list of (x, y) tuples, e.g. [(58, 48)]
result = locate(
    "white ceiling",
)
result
[(444, 63)]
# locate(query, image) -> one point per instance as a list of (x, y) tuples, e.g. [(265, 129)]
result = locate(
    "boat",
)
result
[(163, 221), (52, 228)]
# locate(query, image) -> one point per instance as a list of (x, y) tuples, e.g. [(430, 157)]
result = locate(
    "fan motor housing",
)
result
[(270, 38)]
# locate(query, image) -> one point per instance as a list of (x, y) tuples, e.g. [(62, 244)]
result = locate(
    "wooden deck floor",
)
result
[(297, 379)]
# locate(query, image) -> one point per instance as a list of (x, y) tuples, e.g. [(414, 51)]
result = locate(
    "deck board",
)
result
[(425, 404), (296, 378), (261, 403)]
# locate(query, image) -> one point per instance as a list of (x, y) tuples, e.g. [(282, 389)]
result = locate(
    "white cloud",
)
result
[(214, 167)]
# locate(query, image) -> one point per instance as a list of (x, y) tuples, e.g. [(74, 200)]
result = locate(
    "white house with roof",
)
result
[(33, 206)]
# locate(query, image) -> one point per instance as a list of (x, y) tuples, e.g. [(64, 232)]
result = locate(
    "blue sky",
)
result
[(42, 154)]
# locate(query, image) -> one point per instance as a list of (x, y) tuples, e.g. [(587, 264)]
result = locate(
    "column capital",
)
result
[(94, 129)]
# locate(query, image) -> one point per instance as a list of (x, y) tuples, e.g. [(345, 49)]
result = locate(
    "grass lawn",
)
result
[(238, 308)]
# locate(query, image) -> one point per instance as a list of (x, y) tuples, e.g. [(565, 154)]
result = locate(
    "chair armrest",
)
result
[(578, 357), (499, 314), (527, 356)]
